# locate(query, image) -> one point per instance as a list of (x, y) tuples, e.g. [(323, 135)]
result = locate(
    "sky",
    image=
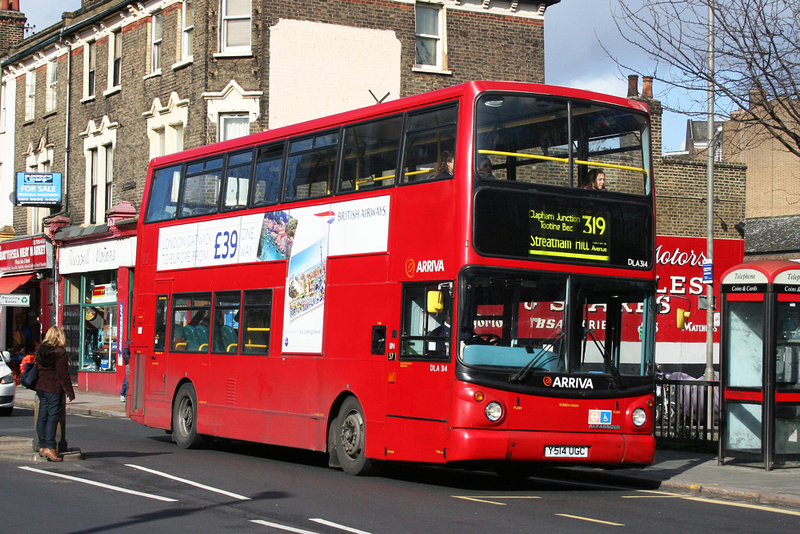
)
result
[(574, 57), (574, 30)]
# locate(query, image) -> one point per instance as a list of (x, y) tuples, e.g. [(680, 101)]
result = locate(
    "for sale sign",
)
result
[(38, 189)]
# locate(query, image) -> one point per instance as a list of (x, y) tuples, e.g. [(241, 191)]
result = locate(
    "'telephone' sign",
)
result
[(38, 189)]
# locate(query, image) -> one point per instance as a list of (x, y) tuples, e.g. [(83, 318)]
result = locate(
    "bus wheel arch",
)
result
[(184, 418), (347, 434)]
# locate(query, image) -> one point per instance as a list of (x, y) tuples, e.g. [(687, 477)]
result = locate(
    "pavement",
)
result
[(679, 472)]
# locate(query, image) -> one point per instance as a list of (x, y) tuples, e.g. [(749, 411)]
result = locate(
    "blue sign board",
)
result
[(708, 272), (38, 189)]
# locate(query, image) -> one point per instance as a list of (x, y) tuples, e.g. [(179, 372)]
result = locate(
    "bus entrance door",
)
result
[(156, 364)]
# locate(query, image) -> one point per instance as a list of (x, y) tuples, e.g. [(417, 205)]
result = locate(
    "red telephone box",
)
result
[(760, 350)]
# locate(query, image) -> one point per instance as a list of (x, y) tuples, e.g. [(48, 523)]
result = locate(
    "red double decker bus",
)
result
[(434, 279)]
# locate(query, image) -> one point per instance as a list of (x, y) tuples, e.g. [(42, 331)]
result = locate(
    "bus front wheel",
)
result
[(351, 439), (184, 419)]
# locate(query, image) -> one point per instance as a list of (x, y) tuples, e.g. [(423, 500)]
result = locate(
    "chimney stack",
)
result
[(633, 85), (12, 25), (647, 87)]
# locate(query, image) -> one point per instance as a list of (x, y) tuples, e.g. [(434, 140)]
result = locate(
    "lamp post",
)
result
[(709, 374)]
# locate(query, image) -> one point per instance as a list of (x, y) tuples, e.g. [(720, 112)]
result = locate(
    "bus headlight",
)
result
[(639, 417), (493, 411)]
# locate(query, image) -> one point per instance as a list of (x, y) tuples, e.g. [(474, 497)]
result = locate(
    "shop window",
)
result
[(256, 321), (90, 320), (72, 289), (191, 318)]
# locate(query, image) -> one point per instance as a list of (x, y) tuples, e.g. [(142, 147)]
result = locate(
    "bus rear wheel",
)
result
[(351, 439), (184, 419)]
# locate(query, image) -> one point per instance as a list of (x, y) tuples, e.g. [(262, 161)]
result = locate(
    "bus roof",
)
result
[(395, 106)]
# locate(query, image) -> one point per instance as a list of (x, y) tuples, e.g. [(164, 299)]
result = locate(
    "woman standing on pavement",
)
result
[(53, 383)]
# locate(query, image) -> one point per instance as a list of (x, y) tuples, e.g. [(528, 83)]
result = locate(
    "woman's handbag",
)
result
[(30, 376)]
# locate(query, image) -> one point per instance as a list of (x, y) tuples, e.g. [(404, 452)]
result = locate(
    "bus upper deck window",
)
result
[(267, 180), (429, 135), (201, 187), (310, 168), (370, 154), (163, 202), (237, 180)]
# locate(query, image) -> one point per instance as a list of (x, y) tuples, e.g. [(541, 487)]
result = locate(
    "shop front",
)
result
[(97, 282), (26, 294)]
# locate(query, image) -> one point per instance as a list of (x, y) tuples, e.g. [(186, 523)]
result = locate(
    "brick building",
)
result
[(773, 198), (96, 95), (681, 183)]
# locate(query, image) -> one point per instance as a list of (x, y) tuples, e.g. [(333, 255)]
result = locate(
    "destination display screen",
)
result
[(569, 233), (562, 228)]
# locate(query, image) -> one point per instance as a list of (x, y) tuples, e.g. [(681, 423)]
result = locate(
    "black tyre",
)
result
[(351, 439), (184, 419), (6, 411)]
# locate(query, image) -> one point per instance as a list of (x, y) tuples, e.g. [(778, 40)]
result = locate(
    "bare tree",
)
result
[(757, 58)]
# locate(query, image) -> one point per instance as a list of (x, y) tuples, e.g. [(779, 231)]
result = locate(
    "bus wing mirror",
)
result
[(680, 321), (435, 301)]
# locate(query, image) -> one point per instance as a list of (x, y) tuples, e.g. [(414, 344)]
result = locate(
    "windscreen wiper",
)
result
[(537, 359), (618, 381)]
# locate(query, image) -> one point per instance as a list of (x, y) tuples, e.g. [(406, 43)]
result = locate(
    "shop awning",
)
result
[(10, 283)]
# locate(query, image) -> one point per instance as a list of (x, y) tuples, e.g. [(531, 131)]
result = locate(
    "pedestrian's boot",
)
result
[(41, 452), (52, 455)]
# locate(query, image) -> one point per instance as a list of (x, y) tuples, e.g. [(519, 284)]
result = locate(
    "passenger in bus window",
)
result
[(485, 168), (595, 179), (445, 166)]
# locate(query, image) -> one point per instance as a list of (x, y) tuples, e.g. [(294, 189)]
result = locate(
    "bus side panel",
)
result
[(358, 298), (232, 397)]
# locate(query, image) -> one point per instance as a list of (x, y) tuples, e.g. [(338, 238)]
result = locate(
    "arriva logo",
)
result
[(569, 382), (423, 266)]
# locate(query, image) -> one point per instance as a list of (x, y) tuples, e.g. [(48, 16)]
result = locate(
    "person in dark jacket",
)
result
[(53, 383)]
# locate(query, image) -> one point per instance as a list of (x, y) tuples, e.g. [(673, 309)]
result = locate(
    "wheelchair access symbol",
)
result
[(599, 417)]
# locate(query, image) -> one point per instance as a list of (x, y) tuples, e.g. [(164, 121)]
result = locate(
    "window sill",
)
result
[(232, 55), (183, 63), (155, 74), (87, 99), (432, 70), (50, 113), (112, 91)]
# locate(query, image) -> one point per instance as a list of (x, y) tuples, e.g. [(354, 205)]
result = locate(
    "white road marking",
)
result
[(189, 482), (99, 484), (282, 527), (338, 526)]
